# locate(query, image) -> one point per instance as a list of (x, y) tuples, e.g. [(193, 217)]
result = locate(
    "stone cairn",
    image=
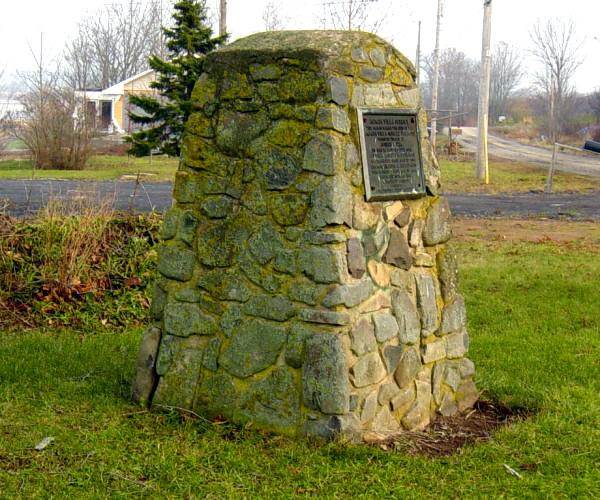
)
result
[(284, 299)]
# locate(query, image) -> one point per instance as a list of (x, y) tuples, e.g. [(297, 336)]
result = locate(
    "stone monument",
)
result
[(305, 284)]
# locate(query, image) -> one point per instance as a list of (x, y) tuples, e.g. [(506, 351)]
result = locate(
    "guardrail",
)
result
[(556, 147)]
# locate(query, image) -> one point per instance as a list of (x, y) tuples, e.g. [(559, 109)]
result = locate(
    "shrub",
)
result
[(83, 271)]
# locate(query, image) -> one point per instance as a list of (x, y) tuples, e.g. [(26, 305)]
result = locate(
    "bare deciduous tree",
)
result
[(507, 73), (594, 100), (459, 80), (115, 43), (352, 15), (271, 18), (57, 135), (557, 50)]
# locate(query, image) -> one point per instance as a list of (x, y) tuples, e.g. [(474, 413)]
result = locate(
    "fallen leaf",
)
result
[(44, 443)]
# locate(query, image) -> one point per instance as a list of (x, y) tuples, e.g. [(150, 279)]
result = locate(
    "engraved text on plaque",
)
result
[(391, 154)]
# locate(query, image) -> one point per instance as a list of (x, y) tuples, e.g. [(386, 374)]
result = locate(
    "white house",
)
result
[(111, 106)]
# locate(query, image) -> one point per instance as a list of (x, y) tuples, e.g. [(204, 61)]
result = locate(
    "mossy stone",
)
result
[(333, 117), (278, 168), (179, 378), (265, 243), (184, 319), (205, 91), (276, 308), (265, 71), (288, 133), (322, 154), (325, 375), (169, 225), (253, 347), (225, 285), (217, 207), (175, 261), (274, 402), (235, 86), (218, 244), (288, 209), (235, 131), (186, 229)]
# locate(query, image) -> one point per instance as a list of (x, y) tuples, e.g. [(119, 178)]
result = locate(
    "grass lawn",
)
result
[(534, 319), (100, 168), (510, 177)]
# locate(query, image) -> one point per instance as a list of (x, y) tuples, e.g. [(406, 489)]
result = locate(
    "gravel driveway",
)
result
[(512, 150)]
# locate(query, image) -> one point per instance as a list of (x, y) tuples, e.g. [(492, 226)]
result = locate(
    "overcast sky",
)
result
[(21, 22)]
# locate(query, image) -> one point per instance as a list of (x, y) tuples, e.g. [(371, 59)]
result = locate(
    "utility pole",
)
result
[(222, 17), (418, 58), (483, 173), (436, 75)]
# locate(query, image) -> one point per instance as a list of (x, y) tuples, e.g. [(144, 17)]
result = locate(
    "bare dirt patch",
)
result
[(447, 435), (573, 234)]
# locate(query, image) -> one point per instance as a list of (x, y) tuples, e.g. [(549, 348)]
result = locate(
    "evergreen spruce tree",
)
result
[(163, 118)]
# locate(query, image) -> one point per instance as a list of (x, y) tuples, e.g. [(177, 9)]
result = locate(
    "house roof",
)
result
[(118, 88), (115, 90)]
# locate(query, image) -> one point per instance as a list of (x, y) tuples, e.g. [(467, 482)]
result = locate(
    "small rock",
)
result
[(369, 74), (404, 397), (358, 54), (452, 378), (377, 57), (437, 226), (377, 302), (349, 295), (392, 355), (386, 393), (408, 367), (325, 317), (457, 344), (379, 273), (322, 154), (365, 215), (362, 337), (403, 218), (384, 421), (385, 326), (407, 317), (323, 238), (448, 272), (417, 418), (423, 260), (454, 316), (448, 407), (433, 351), (323, 265), (398, 252), (368, 370), (356, 258), (467, 395), (427, 303), (416, 232), (369, 407), (352, 157), (467, 368), (338, 90), (145, 375), (392, 211), (335, 118)]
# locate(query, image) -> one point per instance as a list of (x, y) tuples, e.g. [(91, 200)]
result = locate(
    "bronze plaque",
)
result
[(391, 154)]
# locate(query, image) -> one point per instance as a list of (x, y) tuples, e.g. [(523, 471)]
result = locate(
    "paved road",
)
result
[(512, 150), (157, 196), (26, 197)]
